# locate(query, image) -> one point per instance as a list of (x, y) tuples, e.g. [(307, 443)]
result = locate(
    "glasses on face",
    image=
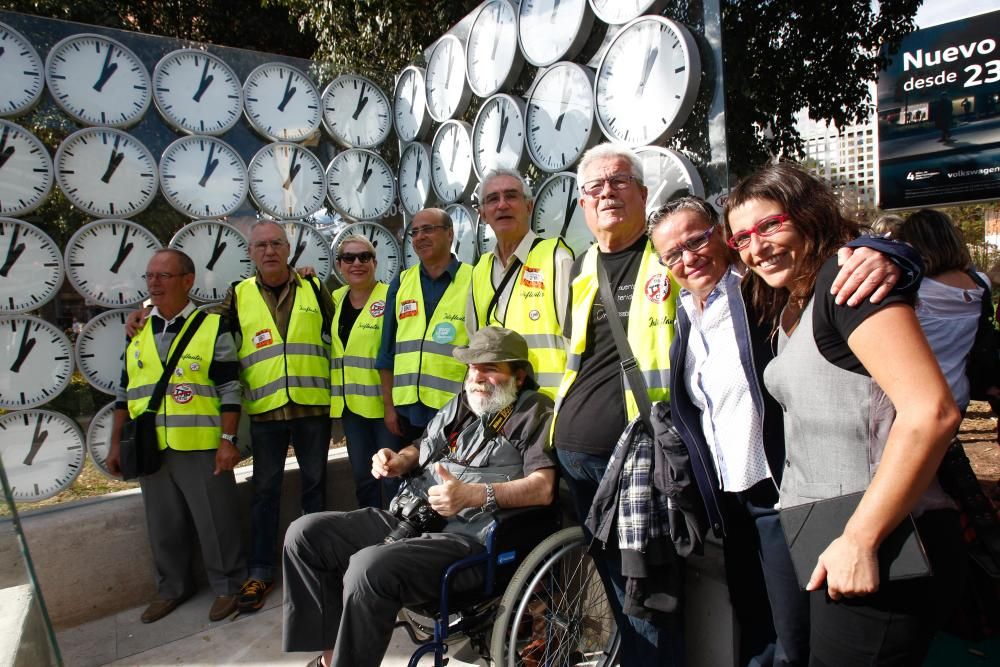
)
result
[(691, 245), (350, 257), (596, 186), (425, 229), (274, 244), (494, 198), (162, 276), (765, 227)]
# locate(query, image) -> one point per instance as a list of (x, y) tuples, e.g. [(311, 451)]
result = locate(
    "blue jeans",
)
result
[(643, 643), (310, 437), (365, 437)]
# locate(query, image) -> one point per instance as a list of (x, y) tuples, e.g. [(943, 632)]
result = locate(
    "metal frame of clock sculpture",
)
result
[(22, 73), (387, 249), (548, 33), (99, 352), (360, 184), (203, 177), (43, 453), (287, 181), (196, 92), (498, 135), (26, 172), (668, 174), (99, 438), (308, 247), (32, 269), (221, 256), (37, 359), (557, 212), (414, 181), (106, 259), (559, 116), (281, 102), (409, 105), (445, 84), (97, 80), (356, 112), (493, 59)]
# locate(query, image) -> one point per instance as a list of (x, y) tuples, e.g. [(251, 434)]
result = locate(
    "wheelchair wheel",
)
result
[(555, 612)]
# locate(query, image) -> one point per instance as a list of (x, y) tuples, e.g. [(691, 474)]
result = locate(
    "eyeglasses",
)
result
[(596, 186), (163, 276), (494, 198), (426, 229), (691, 245), (264, 245), (766, 227), (351, 257)]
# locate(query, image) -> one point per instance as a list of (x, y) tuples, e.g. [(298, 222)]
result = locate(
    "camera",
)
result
[(415, 516)]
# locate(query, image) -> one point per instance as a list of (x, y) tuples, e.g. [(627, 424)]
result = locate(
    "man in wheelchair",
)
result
[(347, 574)]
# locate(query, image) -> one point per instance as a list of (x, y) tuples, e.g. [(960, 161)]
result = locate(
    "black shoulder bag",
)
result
[(140, 449), (983, 368)]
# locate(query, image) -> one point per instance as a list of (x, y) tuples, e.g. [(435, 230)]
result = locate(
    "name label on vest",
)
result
[(657, 288), (183, 393), (533, 278), (262, 338), (377, 309), (408, 308)]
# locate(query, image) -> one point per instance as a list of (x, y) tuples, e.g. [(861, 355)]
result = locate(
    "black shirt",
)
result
[(348, 316), (592, 415)]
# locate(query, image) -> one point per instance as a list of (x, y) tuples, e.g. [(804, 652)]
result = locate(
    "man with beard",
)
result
[(484, 450)]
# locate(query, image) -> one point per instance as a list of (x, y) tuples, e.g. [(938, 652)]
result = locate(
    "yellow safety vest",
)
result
[(188, 417), (276, 370), (650, 326), (531, 310), (353, 377), (424, 369)]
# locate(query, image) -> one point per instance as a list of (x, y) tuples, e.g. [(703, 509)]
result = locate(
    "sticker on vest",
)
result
[(377, 309), (658, 288), (195, 366), (533, 278), (179, 372), (262, 338), (183, 393), (444, 332), (408, 308), (533, 315)]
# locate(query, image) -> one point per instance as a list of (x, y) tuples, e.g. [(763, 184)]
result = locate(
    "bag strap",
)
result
[(987, 313), (630, 367), (161, 387)]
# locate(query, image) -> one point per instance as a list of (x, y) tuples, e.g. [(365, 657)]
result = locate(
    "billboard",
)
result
[(939, 116)]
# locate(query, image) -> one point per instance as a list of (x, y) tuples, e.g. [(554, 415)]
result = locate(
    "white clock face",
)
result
[(25, 170), (616, 12), (42, 452), (100, 350), (197, 92), (281, 102), (553, 30), (493, 61), (287, 181), (32, 269), (415, 177), (647, 81), (106, 173), (99, 438), (106, 259), (360, 184), (21, 75), (448, 92), (203, 177), (559, 118), (410, 257), (486, 238), (667, 175), (387, 251), (409, 105), (451, 161), (221, 256), (308, 248), (498, 135), (557, 213), (98, 81), (356, 112), (37, 360), (466, 245)]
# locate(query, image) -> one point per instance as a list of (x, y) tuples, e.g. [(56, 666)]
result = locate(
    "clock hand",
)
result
[(650, 59), (22, 353), (113, 162), (36, 442), (220, 247), (366, 173), (496, 35), (107, 70), (14, 251), (451, 61), (420, 164), (300, 247), (563, 103), (503, 128), (206, 81), (454, 152), (571, 204), (289, 92), (210, 166), (293, 170), (362, 101), (5, 151), (123, 251), (555, 10)]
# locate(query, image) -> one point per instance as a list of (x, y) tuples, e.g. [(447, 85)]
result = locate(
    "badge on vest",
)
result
[(444, 333), (408, 308), (183, 393), (377, 309), (533, 278), (658, 288), (533, 315), (262, 338)]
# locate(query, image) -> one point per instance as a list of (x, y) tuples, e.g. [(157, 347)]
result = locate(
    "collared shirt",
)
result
[(563, 262), (279, 302), (224, 370), (715, 382), (432, 290)]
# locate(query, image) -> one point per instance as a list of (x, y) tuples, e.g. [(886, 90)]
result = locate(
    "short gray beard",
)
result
[(502, 395)]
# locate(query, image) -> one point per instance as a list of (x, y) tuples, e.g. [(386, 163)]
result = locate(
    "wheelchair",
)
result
[(542, 603)]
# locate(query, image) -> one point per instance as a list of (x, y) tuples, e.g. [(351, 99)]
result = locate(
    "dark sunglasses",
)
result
[(350, 257)]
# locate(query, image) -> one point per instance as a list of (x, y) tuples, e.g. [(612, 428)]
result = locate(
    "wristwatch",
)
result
[(229, 437), (491, 500)]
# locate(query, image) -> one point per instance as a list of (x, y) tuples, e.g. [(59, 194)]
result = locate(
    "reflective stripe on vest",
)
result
[(188, 417), (353, 378), (276, 370), (531, 310), (424, 369), (650, 326)]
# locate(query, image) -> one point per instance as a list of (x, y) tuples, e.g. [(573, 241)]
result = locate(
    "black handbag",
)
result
[(139, 448), (983, 367)]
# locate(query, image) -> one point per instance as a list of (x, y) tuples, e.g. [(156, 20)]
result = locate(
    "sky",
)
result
[(934, 12)]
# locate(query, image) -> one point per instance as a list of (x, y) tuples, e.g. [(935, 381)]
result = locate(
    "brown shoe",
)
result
[(223, 606), (160, 608)]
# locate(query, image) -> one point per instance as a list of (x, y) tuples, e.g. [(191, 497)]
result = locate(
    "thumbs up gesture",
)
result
[(451, 496)]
